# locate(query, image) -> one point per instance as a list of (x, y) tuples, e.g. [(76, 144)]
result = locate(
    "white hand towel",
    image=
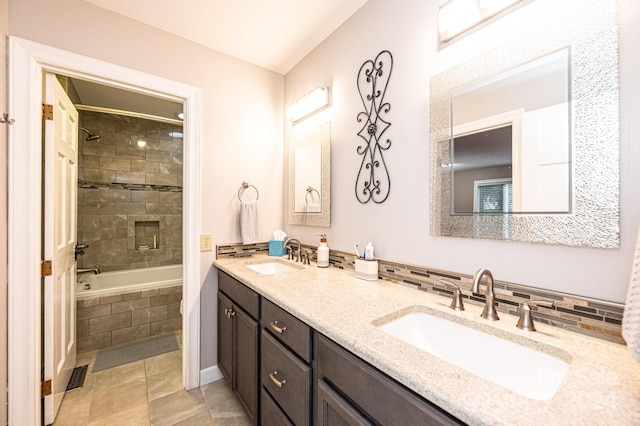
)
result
[(249, 222), (631, 318), (313, 208)]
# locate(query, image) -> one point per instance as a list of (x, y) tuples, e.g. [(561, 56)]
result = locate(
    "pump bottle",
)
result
[(323, 252)]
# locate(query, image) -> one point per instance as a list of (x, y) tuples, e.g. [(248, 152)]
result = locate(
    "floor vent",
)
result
[(77, 377)]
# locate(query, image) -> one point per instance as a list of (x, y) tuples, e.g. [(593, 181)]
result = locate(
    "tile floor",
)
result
[(147, 392)]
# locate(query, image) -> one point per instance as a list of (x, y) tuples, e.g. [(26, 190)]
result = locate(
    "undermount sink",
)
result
[(273, 267), (526, 371)]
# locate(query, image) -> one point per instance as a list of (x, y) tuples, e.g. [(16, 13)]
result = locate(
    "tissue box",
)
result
[(276, 248), (367, 269)]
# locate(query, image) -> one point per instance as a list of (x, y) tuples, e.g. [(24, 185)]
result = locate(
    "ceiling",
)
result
[(274, 34)]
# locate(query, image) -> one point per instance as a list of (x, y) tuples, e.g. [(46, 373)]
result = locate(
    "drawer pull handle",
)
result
[(277, 382), (274, 325)]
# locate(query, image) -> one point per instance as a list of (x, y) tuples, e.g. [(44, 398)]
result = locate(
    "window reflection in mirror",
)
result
[(511, 140)]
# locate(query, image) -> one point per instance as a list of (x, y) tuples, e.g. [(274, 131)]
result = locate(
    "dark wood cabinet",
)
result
[(333, 410), (285, 373), (287, 379), (225, 336), (270, 412), (238, 341), (285, 369), (370, 393)]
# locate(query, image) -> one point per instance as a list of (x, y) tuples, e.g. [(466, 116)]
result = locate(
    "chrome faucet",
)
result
[(489, 312), (526, 321), (456, 301), (292, 252), (95, 270)]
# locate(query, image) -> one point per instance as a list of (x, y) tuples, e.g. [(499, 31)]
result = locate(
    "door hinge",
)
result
[(46, 388), (46, 268), (47, 112)]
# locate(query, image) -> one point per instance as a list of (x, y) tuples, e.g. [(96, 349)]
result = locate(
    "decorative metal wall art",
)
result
[(373, 182)]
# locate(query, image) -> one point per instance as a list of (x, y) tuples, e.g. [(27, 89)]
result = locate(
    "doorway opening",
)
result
[(28, 61)]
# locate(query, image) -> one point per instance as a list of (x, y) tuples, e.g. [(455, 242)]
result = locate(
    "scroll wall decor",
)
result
[(373, 182)]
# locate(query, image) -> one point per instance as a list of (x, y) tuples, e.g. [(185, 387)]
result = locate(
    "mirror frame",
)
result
[(323, 218), (592, 37)]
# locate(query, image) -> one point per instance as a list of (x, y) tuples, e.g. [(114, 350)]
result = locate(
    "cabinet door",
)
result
[(225, 337), (333, 410), (247, 335)]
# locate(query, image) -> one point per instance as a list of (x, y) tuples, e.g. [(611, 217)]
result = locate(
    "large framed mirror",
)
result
[(310, 177), (525, 138)]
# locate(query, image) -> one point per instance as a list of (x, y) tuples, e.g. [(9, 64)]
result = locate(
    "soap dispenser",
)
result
[(323, 252)]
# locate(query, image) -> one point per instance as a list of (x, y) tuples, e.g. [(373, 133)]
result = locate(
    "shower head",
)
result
[(91, 136)]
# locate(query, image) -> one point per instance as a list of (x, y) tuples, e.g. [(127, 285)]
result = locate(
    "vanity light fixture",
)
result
[(458, 16), (309, 104)]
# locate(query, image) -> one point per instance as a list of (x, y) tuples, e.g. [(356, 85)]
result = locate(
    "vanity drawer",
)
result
[(270, 413), (287, 329), (287, 379), (379, 397), (242, 295)]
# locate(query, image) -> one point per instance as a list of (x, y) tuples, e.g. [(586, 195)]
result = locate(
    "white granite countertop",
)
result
[(602, 386)]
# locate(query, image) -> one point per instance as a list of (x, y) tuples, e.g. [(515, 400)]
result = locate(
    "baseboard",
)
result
[(209, 375)]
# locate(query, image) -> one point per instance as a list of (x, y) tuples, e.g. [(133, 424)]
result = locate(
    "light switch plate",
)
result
[(206, 242)]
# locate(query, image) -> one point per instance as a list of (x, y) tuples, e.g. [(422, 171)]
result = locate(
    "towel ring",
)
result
[(309, 191), (246, 185)]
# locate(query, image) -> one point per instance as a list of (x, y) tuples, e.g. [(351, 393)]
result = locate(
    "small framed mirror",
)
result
[(310, 177)]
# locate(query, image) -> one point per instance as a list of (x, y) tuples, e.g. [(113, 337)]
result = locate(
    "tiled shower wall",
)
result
[(121, 184)]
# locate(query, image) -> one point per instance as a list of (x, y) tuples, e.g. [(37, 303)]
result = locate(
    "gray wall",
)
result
[(399, 228), (128, 191), (242, 110)]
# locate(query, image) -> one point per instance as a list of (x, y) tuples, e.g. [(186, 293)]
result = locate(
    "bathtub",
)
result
[(125, 306), (128, 281)]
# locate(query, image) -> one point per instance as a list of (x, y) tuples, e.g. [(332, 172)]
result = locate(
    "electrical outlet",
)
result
[(206, 242)]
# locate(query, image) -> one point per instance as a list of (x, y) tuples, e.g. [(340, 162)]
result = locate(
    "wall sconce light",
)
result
[(458, 16), (309, 104)]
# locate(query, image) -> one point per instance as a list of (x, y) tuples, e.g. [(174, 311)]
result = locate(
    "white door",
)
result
[(59, 239), (545, 160)]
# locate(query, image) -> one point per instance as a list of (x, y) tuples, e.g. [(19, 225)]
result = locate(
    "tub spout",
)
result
[(95, 270)]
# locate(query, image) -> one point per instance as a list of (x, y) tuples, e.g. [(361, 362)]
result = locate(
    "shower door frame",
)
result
[(27, 63)]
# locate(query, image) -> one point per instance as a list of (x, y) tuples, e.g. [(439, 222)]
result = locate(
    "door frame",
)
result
[(27, 63)]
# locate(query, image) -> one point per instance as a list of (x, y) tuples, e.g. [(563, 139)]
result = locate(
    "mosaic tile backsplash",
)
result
[(595, 318)]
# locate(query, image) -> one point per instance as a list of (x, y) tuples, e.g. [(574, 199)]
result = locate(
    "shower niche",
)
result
[(147, 234)]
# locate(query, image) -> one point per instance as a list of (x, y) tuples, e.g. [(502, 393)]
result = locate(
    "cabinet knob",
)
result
[(229, 313), (274, 325), (278, 383)]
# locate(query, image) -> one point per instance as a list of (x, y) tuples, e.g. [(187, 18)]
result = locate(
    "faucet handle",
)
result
[(525, 322), (456, 302)]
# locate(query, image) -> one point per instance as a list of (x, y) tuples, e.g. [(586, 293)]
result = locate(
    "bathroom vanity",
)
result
[(323, 358)]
